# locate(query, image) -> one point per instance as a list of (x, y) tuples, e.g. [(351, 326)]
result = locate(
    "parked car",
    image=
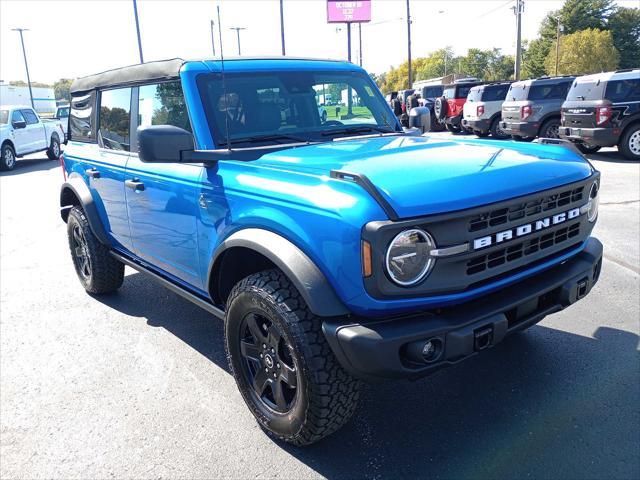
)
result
[(532, 107), (403, 95), (603, 110), (482, 112), (449, 107), (62, 114), (333, 252), (428, 95), (23, 132)]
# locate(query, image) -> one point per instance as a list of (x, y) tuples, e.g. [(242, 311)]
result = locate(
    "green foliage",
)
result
[(22, 83), (584, 52), (624, 25), (534, 54), (61, 89), (488, 65), (576, 15)]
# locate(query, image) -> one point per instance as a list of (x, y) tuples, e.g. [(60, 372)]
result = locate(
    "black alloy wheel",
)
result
[(80, 252)]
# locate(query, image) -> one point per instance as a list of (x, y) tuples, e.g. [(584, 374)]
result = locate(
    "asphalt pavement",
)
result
[(135, 384)]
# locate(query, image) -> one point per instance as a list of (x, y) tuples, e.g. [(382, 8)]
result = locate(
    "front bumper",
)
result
[(602, 137), (480, 125), (381, 349), (520, 129)]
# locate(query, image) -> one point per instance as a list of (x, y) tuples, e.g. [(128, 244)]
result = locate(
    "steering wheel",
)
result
[(333, 123)]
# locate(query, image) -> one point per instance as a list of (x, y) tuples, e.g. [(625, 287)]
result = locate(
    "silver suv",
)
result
[(532, 107)]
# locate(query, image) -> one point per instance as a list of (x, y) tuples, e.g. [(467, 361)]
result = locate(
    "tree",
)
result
[(61, 89), (22, 83), (489, 65), (534, 54), (624, 24), (576, 15), (584, 52)]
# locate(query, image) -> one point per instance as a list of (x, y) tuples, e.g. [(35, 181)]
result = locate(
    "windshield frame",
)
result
[(388, 122)]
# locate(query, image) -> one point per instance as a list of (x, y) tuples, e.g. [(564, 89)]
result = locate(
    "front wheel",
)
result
[(53, 152), (7, 157), (282, 364), (629, 144)]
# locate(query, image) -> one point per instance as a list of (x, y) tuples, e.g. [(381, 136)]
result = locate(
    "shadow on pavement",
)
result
[(543, 404), (30, 165), (610, 157)]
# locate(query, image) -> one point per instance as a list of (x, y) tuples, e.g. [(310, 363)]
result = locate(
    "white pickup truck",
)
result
[(23, 132)]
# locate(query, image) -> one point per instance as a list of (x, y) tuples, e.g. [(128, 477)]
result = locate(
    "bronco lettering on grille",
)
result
[(526, 229)]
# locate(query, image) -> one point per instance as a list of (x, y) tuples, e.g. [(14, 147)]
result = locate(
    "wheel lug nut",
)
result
[(264, 346), (274, 375), (273, 351), (266, 370), (261, 355), (277, 365)]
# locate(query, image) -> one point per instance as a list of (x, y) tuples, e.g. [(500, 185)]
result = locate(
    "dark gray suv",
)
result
[(532, 107)]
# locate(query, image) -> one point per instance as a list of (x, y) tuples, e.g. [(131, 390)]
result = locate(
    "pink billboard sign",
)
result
[(342, 11)]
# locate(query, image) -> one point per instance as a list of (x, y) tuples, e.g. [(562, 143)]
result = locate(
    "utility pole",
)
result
[(349, 41), (282, 26), (213, 42), (360, 41), (237, 29), (26, 66), (135, 14), (409, 44), (518, 9), (557, 46)]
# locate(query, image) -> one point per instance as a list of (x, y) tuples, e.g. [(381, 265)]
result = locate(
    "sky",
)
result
[(73, 38)]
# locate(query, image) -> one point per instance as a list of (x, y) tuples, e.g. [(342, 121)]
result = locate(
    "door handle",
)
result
[(92, 173), (136, 185)]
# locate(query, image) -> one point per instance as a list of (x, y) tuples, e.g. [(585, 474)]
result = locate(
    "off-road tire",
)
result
[(53, 152), (481, 134), (326, 394), (522, 139), (452, 128), (7, 157), (630, 135), (550, 128), (106, 274), (584, 148)]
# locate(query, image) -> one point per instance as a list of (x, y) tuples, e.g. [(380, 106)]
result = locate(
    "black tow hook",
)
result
[(482, 338), (583, 288)]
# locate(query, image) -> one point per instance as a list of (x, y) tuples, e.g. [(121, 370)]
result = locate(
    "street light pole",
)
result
[(282, 26), (557, 46), (360, 42), (26, 66), (135, 14), (213, 42), (237, 29), (409, 44)]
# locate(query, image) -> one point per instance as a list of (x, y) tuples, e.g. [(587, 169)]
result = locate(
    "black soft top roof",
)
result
[(142, 72)]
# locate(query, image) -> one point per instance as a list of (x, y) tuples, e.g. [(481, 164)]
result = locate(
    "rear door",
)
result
[(162, 198), (34, 132)]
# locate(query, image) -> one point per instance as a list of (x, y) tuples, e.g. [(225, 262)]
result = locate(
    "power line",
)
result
[(496, 9)]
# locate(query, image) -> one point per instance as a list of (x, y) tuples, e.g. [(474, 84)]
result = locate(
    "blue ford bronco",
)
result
[(336, 248)]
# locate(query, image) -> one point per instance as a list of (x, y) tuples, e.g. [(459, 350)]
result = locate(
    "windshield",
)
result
[(288, 107), (517, 91), (4, 117), (432, 92)]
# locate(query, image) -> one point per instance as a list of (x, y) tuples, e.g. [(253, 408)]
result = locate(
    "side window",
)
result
[(29, 116), (623, 90), (81, 118), (17, 116), (163, 104), (115, 115)]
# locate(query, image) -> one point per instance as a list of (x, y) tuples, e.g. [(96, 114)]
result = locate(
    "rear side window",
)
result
[(553, 91), (432, 92), (63, 112), (115, 116), (493, 94), (623, 90), (29, 116), (517, 92), (449, 92), (475, 95), (81, 118), (163, 104)]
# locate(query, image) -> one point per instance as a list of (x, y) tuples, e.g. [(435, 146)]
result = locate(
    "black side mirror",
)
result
[(163, 143), (19, 124)]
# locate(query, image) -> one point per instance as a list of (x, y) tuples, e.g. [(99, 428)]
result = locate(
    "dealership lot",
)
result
[(135, 384)]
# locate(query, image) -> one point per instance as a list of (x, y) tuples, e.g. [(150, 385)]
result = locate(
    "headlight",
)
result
[(594, 200), (408, 257)]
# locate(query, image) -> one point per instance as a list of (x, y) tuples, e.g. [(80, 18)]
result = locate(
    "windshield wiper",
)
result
[(272, 137), (358, 129)]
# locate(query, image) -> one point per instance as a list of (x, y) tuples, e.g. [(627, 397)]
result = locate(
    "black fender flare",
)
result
[(294, 263), (76, 187)]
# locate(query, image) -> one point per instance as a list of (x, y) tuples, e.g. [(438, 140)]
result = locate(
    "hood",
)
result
[(421, 175)]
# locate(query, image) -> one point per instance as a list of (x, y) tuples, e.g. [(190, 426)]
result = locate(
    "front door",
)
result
[(35, 131)]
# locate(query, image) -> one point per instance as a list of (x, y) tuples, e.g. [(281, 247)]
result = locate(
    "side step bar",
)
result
[(171, 286)]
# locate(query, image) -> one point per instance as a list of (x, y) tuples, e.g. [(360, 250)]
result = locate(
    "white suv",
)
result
[(483, 110)]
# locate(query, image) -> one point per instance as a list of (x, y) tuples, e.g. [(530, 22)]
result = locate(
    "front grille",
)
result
[(526, 209), (511, 253)]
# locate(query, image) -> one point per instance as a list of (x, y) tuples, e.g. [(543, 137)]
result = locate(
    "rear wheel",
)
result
[(496, 130), (550, 128), (53, 152), (97, 270), (282, 364), (584, 148), (522, 139), (629, 144), (7, 157), (453, 128)]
